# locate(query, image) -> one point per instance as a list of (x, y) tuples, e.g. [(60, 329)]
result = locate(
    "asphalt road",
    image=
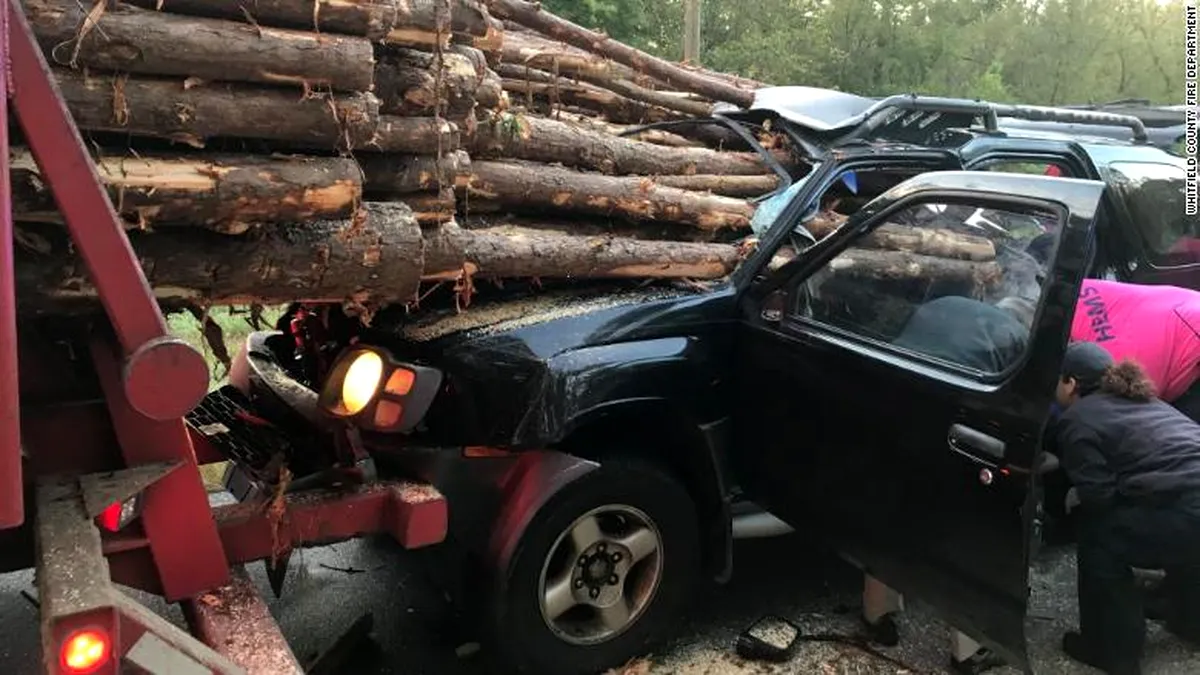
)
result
[(327, 589)]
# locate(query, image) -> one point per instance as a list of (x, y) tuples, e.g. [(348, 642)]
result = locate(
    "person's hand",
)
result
[(1072, 499)]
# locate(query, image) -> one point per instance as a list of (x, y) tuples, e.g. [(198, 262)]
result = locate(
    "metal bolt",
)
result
[(600, 547), (613, 580), (615, 557), (583, 560), (594, 593), (579, 583)]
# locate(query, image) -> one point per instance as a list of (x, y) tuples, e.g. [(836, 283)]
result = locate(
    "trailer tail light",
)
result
[(117, 515), (85, 651)]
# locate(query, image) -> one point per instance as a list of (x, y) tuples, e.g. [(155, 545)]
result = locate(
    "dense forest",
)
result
[(1030, 51)]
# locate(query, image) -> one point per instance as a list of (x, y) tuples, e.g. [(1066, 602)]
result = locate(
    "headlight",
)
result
[(370, 389)]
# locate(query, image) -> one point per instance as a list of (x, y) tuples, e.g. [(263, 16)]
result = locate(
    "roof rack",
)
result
[(990, 112)]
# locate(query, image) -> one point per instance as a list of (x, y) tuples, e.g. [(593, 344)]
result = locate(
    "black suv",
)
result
[(598, 442)]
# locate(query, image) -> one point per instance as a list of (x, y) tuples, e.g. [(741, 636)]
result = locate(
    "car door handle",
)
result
[(975, 444)]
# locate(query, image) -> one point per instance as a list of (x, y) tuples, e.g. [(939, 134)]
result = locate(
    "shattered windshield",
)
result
[(1153, 195)]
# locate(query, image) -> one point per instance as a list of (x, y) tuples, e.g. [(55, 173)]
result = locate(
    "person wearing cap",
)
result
[(1134, 465)]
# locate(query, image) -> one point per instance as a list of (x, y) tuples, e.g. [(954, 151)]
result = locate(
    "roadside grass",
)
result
[(235, 328)]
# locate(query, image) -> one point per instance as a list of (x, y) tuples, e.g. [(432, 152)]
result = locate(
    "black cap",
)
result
[(1086, 363)]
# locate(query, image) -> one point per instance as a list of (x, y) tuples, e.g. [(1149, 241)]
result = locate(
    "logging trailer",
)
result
[(98, 471)]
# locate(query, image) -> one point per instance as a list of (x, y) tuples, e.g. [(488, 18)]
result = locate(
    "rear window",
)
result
[(1153, 195)]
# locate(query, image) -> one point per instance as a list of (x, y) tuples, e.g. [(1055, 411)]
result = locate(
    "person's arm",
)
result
[(1085, 464)]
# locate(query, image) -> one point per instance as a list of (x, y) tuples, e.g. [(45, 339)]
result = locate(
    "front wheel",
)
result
[(601, 571)]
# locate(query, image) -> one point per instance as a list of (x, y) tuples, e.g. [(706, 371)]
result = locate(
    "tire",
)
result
[(619, 496)]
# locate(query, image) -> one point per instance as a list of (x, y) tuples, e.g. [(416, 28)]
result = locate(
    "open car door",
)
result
[(894, 381)]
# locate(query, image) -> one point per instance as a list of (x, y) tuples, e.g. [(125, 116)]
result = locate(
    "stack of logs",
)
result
[(359, 151)]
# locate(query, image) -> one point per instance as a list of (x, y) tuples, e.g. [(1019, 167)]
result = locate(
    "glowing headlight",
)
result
[(362, 381), (370, 389)]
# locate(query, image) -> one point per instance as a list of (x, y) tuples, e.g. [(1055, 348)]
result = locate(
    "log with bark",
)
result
[(489, 90), (374, 258), (171, 109), (414, 135), (515, 253), (367, 18), (654, 136), (539, 187), (404, 174), (540, 139), (531, 14), (408, 82), (730, 186), (134, 40), (930, 241), (546, 96), (431, 208), (227, 194), (902, 266)]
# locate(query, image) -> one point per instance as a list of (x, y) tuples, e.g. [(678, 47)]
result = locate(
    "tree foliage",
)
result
[(1031, 51)]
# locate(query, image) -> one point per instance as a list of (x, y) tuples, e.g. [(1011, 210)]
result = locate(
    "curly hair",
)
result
[(1128, 380)]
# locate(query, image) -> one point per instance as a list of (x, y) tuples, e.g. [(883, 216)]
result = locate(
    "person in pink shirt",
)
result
[(1157, 326)]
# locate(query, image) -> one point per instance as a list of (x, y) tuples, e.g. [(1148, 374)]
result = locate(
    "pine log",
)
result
[(514, 253), (489, 90), (168, 108), (491, 43), (414, 135), (654, 136), (929, 241), (367, 18), (613, 106), (730, 186), (403, 174), (372, 259), (432, 208), (227, 194), (431, 24), (133, 40), (540, 139), (531, 14), (903, 267), (543, 187), (407, 83)]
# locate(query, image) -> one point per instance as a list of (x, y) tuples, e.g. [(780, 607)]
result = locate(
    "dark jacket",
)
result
[(1118, 451), (967, 332)]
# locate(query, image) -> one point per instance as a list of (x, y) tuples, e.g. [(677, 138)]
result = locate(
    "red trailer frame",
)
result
[(78, 448)]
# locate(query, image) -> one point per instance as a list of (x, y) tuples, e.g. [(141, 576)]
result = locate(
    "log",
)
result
[(904, 267), (730, 186), (489, 90), (134, 40), (613, 106), (540, 139), (414, 135), (928, 241), (227, 194), (431, 23), (491, 44), (654, 136), (531, 14), (431, 208), (167, 108), (373, 259), (404, 174), (368, 18), (514, 253), (407, 83), (544, 187)]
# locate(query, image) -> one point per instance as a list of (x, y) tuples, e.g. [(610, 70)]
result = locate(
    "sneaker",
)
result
[(1079, 649), (884, 631), (980, 661)]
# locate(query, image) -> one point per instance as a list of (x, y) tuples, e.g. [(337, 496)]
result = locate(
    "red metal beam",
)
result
[(164, 377), (415, 515), (12, 492)]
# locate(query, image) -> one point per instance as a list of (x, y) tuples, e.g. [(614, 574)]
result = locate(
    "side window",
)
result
[(1033, 166), (951, 281), (1152, 195)]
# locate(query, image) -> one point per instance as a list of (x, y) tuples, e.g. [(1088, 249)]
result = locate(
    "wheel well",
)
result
[(661, 435)]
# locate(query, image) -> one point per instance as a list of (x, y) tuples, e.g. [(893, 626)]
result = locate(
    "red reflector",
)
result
[(85, 651), (110, 517)]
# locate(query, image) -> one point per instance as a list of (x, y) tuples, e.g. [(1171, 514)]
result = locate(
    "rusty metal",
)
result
[(166, 378), (235, 621), (74, 592), (415, 515), (175, 512), (103, 489), (12, 504)]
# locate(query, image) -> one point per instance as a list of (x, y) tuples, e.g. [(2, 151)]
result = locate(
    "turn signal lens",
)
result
[(85, 651), (388, 414), (362, 381), (401, 382)]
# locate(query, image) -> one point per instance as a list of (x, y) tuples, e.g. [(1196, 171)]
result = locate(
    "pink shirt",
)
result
[(1158, 326)]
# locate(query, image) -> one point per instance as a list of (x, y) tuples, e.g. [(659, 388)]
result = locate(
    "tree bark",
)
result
[(432, 208), (376, 259), (403, 174), (653, 136), (414, 135), (730, 186), (540, 139), (423, 23), (491, 43), (227, 194), (929, 241), (613, 106), (531, 15), (407, 83), (549, 188), (904, 266), (134, 40), (167, 108), (514, 253), (367, 18)]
